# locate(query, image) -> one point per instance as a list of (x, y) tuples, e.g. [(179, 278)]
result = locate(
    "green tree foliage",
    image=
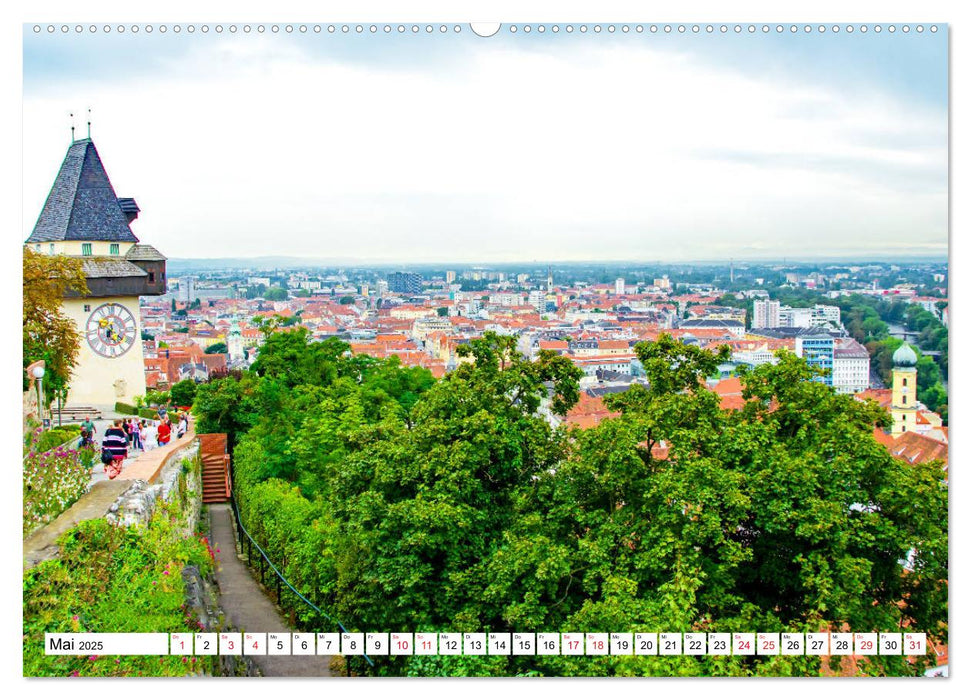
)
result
[(49, 335), (397, 502), (276, 294), (183, 393), (346, 300), (217, 349)]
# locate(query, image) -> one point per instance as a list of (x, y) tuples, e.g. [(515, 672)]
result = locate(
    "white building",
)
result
[(795, 318), (505, 299), (619, 286), (537, 299), (851, 367), (824, 315), (765, 314), (755, 357)]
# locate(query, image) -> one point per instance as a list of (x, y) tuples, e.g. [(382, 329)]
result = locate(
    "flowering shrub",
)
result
[(53, 480), (110, 578)]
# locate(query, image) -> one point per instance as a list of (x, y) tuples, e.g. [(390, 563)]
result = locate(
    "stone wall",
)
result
[(137, 503)]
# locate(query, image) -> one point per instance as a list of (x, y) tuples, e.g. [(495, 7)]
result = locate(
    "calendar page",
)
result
[(436, 348)]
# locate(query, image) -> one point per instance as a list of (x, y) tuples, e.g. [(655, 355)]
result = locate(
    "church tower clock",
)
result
[(83, 218)]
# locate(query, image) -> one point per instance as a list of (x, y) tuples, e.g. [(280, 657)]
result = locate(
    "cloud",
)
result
[(247, 146)]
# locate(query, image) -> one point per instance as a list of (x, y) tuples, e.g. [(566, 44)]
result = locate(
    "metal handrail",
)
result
[(281, 577)]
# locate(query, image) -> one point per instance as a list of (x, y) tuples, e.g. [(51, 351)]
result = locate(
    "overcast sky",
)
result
[(452, 147)]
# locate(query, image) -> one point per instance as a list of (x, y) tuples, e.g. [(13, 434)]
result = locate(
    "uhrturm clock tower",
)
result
[(84, 218)]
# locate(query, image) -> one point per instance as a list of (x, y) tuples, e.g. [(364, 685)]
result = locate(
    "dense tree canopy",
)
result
[(400, 503), (49, 335)]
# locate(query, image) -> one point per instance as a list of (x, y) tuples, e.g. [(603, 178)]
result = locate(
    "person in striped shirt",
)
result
[(115, 442)]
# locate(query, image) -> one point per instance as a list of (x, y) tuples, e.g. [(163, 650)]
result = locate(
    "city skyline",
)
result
[(510, 149)]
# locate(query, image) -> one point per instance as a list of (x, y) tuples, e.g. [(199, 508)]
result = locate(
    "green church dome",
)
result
[(905, 356)]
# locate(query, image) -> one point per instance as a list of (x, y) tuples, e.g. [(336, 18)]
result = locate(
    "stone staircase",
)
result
[(76, 414)]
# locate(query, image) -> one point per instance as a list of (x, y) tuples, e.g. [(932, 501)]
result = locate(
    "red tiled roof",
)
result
[(884, 397), (916, 448)]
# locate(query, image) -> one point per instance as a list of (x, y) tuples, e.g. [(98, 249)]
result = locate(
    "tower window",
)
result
[(905, 381), (85, 249), (151, 277), (87, 308), (113, 250), (52, 249)]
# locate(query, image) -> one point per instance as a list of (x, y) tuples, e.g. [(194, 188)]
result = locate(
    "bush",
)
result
[(157, 398), (115, 579), (125, 408), (149, 413), (50, 439)]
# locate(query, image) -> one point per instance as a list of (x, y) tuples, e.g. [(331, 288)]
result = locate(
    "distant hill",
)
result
[(183, 265), (177, 266)]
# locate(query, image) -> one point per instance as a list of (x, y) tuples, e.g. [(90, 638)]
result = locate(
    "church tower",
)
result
[(234, 344), (903, 406), (83, 218)]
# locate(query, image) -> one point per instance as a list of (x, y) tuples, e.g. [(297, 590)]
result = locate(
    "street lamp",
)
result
[(38, 373)]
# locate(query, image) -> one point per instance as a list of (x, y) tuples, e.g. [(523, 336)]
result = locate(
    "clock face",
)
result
[(111, 330)]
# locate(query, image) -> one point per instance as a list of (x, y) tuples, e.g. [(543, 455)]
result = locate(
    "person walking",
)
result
[(88, 424), (164, 432), (136, 436), (126, 427), (114, 449)]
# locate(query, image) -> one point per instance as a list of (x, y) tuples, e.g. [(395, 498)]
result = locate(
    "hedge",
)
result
[(126, 408)]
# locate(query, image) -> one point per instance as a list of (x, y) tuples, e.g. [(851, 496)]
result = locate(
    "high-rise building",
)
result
[(537, 299), (818, 351), (619, 286), (404, 282), (765, 314), (449, 276)]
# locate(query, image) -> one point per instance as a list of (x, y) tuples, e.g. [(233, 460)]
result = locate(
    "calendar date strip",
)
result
[(378, 644)]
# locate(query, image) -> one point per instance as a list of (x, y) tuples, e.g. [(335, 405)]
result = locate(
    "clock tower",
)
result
[(83, 218)]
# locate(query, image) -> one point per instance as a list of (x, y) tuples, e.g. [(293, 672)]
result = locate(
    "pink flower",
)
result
[(75, 674), (165, 573), (75, 618)]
